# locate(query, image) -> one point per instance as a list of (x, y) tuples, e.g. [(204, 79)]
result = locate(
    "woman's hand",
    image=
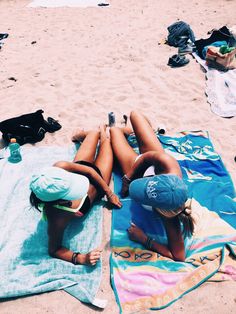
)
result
[(90, 258), (125, 186), (136, 234), (114, 200)]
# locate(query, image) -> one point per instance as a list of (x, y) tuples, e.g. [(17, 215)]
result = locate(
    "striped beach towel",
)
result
[(143, 279)]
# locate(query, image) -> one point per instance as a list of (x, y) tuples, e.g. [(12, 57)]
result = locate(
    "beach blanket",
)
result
[(142, 279), (67, 3), (220, 90), (26, 267)]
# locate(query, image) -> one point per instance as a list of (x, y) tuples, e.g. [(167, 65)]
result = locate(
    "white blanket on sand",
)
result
[(65, 3), (220, 90)]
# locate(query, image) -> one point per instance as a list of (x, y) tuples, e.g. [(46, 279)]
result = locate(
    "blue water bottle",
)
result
[(14, 148)]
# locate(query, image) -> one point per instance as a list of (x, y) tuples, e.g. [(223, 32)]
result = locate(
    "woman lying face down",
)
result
[(67, 190), (153, 179)]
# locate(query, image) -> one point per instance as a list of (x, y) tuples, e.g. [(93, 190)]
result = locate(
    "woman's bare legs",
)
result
[(145, 135), (104, 160), (79, 135), (123, 152), (87, 149)]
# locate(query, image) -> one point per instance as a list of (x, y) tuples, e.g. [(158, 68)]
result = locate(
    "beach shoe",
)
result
[(183, 50), (177, 61), (51, 125), (103, 4)]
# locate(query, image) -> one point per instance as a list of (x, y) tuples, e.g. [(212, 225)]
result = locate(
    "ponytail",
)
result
[(187, 220)]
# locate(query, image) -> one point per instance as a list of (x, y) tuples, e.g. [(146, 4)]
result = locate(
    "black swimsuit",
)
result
[(87, 203)]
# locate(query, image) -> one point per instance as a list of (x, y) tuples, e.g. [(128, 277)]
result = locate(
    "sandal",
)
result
[(177, 61), (103, 4), (51, 125)]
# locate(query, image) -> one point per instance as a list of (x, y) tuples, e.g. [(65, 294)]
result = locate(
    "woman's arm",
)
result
[(89, 172), (136, 234), (93, 177), (174, 250), (175, 238), (162, 162), (57, 222), (139, 167), (141, 164)]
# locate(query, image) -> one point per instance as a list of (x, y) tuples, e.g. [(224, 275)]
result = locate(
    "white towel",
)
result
[(65, 3), (220, 90)]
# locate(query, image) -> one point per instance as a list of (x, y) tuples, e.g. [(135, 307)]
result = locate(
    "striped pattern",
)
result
[(143, 279)]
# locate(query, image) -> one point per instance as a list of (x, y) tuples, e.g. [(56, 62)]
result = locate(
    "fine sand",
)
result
[(87, 62)]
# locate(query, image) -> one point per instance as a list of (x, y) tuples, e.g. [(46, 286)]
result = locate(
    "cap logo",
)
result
[(151, 189)]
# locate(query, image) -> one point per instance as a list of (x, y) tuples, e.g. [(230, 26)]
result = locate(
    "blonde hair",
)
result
[(184, 214)]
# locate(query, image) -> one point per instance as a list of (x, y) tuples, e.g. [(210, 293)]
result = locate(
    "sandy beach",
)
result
[(78, 64)]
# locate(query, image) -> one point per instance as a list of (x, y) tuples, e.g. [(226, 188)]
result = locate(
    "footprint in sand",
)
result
[(121, 98)]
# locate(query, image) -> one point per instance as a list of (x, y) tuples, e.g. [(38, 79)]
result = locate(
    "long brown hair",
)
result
[(36, 202)]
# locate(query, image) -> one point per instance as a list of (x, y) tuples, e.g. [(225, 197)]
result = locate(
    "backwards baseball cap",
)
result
[(164, 191), (54, 183)]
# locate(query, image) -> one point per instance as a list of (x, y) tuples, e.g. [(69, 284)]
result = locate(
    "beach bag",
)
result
[(28, 128), (219, 61), (222, 34)]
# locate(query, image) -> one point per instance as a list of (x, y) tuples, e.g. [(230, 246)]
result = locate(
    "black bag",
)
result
[(28, 128), (179, 34), (222, 34)]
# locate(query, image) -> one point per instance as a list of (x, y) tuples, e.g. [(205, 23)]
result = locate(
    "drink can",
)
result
[(111, 118)]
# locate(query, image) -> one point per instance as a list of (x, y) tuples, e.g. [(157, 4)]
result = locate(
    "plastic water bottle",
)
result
[(14, 148), (111, 118)]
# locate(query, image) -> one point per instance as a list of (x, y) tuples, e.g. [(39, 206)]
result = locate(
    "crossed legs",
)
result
[(87, 152), (117, 145), (147, 141)]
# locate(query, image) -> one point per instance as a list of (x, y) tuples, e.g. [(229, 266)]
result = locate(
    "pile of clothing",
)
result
[(180, 36), (28, 128), (219, 50)]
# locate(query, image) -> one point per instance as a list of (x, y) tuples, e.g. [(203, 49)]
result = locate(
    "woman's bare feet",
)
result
[(103, 134), (79, 135), (90, 258), (127, 130)]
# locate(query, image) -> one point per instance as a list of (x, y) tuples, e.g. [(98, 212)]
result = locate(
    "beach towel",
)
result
[(67, 3), (143, 279), (26, 267), (220, 90)]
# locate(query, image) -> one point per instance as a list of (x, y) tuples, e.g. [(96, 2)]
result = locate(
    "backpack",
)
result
[(179, 34), (28, 128)]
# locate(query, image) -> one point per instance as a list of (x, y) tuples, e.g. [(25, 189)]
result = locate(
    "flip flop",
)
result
[(177, 61), (103, 4), (51, 125)]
